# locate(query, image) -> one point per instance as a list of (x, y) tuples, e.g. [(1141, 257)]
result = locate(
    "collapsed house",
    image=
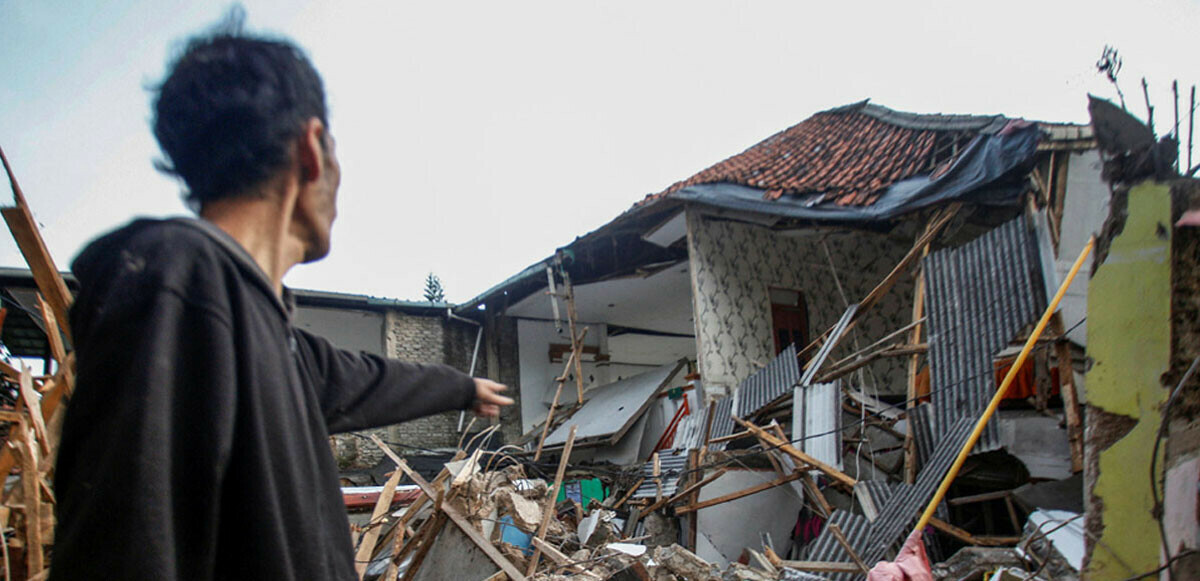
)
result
[(776, 369), (864, 280)]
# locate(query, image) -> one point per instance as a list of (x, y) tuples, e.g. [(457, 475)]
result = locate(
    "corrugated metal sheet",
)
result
[(690, 433), (825, 547), (874, 495), (769, 383), (921, 423), (816, 422), (670, 466), (836, 334), (902, 511), (722, 423), (979, 297)]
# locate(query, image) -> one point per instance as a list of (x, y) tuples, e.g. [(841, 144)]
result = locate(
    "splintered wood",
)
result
[(31, 438)]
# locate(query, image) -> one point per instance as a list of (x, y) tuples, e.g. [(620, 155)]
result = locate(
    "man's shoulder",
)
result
[(176, 255)]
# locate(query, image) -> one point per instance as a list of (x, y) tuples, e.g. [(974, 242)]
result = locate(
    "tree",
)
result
[(433, 289)]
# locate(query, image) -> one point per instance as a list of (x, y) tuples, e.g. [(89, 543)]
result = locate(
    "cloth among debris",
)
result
[(910, 565)]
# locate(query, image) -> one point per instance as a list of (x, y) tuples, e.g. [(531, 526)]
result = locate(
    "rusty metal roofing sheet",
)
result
[(769, 383), (979, 297)]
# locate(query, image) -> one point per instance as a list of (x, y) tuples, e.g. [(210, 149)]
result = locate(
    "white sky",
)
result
[(476, 137)]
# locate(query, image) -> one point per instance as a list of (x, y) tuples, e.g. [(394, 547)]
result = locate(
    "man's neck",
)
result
[(261, 225)]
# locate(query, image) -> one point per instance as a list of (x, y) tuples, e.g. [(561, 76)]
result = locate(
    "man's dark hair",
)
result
[(230, 109)]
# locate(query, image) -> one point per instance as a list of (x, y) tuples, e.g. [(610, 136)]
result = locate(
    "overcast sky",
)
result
[(476, 137)]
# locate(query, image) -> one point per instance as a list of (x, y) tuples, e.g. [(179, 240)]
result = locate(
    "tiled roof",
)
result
[(848, 155)]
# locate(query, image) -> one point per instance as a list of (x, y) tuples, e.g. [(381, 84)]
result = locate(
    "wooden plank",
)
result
[(30, 474), (841, 539), (548, 507), (811, 486), (467, 528), (629, 493), (41, 265), (787, 448), (914, 364), (739, 494), (557, 393), (821, 566), (382, 508), (423, 536), (53, 337), (437, 522), (29, 397), (687, 491), (556, 555)]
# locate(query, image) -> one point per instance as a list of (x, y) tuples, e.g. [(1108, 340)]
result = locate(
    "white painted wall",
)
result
[(345, 328), (1084, 209), (725, 529), (538, 373)]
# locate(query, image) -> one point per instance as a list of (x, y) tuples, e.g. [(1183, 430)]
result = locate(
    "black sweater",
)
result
[(195, 445)]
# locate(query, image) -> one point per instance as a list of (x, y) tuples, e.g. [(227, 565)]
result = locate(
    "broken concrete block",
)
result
[(686, 564), (663, 531), (526, 514)]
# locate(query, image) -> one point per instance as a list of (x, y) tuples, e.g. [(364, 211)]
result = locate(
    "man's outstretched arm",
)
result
[(361, 390)]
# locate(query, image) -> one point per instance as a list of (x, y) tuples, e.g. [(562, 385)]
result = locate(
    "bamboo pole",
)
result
[(1008, 381)]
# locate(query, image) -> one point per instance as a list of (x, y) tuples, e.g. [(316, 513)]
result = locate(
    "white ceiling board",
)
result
[(611, 409), (659, 302)]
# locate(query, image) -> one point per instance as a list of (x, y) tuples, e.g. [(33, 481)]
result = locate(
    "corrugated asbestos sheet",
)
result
[(825, 547), (769, 383), (979, 297), (816, 422), (670, 466)]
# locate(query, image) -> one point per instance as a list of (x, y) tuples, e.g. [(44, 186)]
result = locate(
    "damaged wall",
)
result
[(735, 264), (1129, 338)]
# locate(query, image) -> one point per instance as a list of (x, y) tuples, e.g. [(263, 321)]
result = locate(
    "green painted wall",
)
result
[(1129, 341)]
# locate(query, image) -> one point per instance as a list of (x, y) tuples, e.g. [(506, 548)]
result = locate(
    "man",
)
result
[(196, 444)]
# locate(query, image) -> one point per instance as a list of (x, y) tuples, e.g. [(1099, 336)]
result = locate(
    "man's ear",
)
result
[(310, 150)]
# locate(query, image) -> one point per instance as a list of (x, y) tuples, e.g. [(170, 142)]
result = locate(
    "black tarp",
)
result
[(992, 170)]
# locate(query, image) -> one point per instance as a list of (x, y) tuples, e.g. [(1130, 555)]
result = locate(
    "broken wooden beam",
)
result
[(841, 539), (739, 494), (382, 508), (548, 510), (685, 492), (786, 447)]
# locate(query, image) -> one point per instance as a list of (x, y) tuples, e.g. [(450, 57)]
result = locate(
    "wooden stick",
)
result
[(548, 508), (382, 507), (465, 525), (739, 494), (53, 337), (1066, 385), (968, 538), (841, 539), (629, 493), (687, 491), (423, 536), (785, 447), (811, 486), (936, 224), (657, 479), (821, 566), (29, 398), (708, 420), (29, 240), (914, 364), (898, 350), (555, 555), (576, 339), (557, 393)]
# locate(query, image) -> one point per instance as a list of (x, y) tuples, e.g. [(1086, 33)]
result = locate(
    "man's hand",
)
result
[(488, 399)]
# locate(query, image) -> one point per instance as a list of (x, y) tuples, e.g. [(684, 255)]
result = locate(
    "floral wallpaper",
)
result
[(734, 265)]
